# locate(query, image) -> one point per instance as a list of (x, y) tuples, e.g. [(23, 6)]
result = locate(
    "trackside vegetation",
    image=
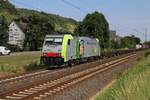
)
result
[(134, 84), (20, 62)]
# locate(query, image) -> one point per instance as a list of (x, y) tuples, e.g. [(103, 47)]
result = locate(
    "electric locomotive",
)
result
[(68, 49)]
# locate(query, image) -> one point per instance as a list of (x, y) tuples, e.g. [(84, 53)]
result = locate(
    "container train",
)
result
[(67, 49)]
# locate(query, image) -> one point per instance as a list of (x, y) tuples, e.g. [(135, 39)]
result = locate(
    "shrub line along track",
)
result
[(49, 88)]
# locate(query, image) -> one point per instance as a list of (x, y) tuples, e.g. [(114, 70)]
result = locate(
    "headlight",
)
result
[(44, 54)]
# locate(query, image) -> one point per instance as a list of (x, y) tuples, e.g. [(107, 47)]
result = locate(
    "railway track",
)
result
[(47, 88), (10, 83), (28, 79)]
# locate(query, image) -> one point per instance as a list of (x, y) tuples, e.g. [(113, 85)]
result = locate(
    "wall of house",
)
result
[(16, 35), (114, 36)]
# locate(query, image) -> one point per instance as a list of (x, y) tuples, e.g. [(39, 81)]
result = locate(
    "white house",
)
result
[(16, 32)]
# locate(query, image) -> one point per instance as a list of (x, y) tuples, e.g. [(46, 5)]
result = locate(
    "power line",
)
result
[(74, 6), (64, 1)]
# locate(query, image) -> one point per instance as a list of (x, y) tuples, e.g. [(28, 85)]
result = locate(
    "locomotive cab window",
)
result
[(53, 41), (58, 41)]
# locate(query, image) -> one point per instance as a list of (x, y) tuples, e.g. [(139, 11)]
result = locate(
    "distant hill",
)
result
[(61, 24)]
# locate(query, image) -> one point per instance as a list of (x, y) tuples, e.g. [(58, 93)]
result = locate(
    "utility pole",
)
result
[(109, 40), (145, 34)]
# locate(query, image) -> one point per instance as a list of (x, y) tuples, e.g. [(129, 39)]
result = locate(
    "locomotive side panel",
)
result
[(89, 46)]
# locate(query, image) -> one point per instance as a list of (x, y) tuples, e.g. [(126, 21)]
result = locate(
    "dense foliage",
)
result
[(5, 6), (38, 25), (3, 31), (95, 25), (61, 24), (129, 42), (37, 28), (115, 44)]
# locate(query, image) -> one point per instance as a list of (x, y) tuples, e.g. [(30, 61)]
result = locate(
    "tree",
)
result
[(137, 40), (115, 44), (6, 6), (95, 25), (37, 28), (129, 42), (3, 31)]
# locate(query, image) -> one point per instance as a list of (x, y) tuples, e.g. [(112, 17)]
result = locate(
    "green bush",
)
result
[(14, 48), (33, 66)]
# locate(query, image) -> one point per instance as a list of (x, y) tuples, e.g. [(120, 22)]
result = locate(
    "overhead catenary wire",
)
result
[(74, 6), (64, 1)]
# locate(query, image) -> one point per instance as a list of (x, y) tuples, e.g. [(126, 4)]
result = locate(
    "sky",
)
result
[(127, 17)]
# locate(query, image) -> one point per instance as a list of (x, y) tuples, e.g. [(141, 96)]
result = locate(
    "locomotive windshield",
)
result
[(53, 41)]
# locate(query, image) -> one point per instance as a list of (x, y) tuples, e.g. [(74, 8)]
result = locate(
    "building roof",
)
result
[(114, 36), (21, 25)]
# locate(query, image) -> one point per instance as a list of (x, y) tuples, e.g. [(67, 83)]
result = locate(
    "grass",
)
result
[(19, 62), (134, 84)]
